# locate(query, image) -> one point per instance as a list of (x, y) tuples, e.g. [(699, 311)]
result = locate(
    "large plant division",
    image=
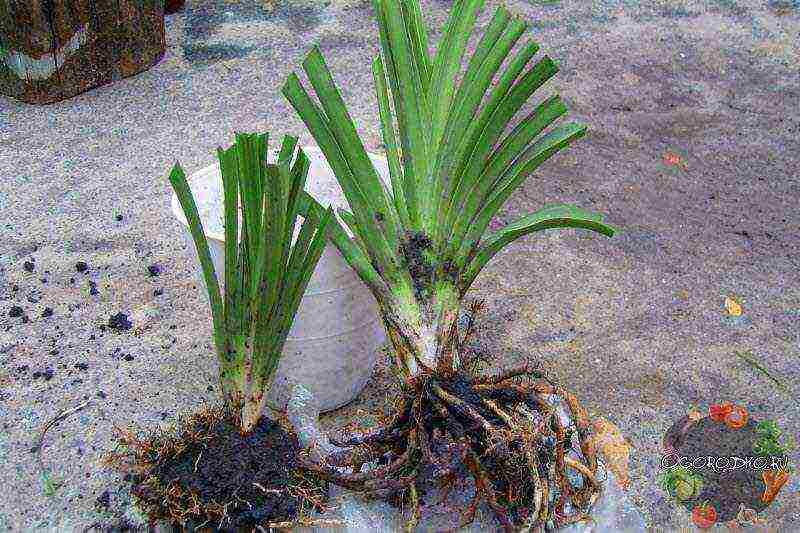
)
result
[(420, 244)]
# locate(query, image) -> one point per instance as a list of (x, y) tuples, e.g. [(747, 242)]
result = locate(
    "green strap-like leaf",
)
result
[(344, 131), (408, 189), (279, 180), (483, 65), (544, 148), (355, 257), (178, 180), (305, 270), (350, 221), (288, 146), (250, 189), (476, 74), (473, 165), (509, 152), (298, 177), (418, 34), (230, 184), (411, 104), (447, 63), (319, 127), (554, 216), (301, 272), (262, 204), (390, 142), (453, 166)]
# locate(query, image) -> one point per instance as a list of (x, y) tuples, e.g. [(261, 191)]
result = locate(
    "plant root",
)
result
[(503, 432)]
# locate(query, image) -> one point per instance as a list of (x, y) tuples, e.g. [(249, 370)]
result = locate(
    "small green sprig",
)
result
[(770, 442)]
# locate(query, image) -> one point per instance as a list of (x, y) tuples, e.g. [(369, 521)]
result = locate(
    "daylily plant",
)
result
[(265, 275), (420, 242)]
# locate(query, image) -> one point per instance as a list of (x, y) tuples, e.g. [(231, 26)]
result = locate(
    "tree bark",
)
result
[(51, 50)]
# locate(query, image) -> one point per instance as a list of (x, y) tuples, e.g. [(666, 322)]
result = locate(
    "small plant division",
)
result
[(229, 467), (419, 245)]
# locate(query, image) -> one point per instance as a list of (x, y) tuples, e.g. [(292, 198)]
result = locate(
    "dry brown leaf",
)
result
[(608, 440), (733, 307)]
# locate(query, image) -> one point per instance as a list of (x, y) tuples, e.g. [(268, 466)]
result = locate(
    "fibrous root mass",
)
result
[(502, 429)]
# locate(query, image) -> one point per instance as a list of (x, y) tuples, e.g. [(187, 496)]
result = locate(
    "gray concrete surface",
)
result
[(635, 325)]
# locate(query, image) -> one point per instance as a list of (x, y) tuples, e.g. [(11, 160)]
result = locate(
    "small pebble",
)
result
[(119, 218), (28, 266), (158, 292), (15, 311), (81, 266), (154, 270)]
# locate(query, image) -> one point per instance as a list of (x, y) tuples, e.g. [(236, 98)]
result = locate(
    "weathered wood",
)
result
[(51, 50), (173, 6)]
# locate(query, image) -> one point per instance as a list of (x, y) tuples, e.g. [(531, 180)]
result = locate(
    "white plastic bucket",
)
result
[(333, 344)]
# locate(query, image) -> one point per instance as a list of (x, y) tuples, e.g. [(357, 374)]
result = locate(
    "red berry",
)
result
[(719, 411)]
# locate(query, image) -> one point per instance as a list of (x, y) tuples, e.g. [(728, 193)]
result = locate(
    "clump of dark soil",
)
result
[(205, 471), (414, 249), (120, 322)]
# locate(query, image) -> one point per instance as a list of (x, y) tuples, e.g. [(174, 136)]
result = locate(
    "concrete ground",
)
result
[(692, 152)]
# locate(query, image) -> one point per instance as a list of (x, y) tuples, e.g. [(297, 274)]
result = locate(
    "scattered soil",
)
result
[(120, 322), (413, 248), (239, 481)]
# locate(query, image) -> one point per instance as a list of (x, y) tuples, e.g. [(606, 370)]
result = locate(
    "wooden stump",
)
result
[(51, 50)]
